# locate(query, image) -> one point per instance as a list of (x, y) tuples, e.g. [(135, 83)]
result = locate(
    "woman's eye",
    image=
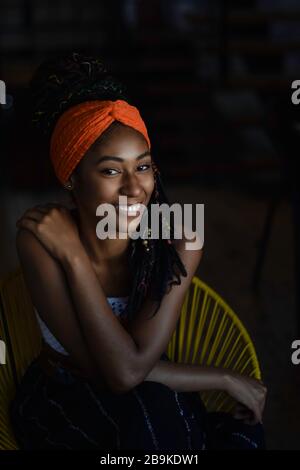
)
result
[(145, 167), (112, 172), (107, 171)]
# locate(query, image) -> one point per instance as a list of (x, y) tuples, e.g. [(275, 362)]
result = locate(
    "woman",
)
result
[(108, 306)]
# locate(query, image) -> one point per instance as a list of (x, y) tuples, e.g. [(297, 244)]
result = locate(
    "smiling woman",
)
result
[(108, 308), (108, 177)]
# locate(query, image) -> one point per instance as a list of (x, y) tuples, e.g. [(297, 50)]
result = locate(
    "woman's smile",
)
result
[(130, 209)]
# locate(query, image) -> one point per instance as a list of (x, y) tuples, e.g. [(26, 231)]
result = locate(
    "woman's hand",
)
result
[(250, 394), (54, 226)]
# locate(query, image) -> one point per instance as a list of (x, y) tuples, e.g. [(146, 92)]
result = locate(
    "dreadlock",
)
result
[(72, 79)]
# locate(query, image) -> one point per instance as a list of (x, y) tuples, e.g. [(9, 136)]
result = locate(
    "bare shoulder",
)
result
[(25, 240), (34, 258)]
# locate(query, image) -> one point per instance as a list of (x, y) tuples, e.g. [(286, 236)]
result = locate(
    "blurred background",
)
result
[(212, 80)]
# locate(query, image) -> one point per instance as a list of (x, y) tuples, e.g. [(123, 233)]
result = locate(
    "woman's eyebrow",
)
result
[(118, 159)]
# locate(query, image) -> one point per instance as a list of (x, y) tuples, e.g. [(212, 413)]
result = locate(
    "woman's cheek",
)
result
[(149, 185)]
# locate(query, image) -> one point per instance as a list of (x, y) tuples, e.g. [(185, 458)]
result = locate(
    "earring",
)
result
[(145, 242), (69, 186)]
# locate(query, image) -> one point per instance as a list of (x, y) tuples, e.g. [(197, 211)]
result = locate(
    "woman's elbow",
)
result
[(123, 384), (110, 380), (119, 384)]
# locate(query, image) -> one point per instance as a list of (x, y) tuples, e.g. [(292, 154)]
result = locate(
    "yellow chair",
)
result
[(20, 332), (208, 332)]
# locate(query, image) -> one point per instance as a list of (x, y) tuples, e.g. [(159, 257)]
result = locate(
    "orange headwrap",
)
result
[(78, 128)]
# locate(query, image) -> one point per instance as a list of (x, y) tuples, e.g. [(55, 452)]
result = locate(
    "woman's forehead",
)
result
[(123, 143)]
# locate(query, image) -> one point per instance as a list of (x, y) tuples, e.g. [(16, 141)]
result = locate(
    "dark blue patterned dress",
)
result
[(65, 411)]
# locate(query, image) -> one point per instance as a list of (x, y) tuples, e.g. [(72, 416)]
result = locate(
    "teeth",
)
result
[(132, 208)]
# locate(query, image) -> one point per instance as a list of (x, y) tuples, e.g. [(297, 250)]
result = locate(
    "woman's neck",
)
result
[(112, 252)]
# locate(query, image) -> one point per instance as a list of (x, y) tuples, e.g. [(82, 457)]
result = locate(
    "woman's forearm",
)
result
[(113, 347), (109, 343), (188, 377)]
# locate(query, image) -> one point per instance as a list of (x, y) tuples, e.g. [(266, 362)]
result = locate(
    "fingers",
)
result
[(259, 403), (257, 413), (36, 213), (27, 223), (243, 413), (252, 421), (262, 401), (262, 404), (240, 409), (250, 414), (31, 216)]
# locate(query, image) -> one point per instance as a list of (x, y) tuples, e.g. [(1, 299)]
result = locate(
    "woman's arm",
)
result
[(46, 283), (52, 293), (249, 392), (111, 346), (187, 377), (124, 357), (53, 242)]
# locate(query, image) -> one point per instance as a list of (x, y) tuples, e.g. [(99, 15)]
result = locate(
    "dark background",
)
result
[(212, 80)]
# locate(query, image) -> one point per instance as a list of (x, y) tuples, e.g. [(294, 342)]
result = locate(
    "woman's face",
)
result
[(117, 164)]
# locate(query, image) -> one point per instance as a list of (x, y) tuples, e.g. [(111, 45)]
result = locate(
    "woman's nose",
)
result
[(131, 186)]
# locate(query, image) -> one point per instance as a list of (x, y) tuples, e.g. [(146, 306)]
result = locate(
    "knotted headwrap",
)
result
[(79, 127)]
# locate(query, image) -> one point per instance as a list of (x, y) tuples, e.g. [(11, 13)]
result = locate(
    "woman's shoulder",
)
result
[(36, 262), (26, 240), (26, 234), (31, 252)]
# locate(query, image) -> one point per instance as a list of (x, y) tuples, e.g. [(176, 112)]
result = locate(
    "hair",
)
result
[(58, 85)]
